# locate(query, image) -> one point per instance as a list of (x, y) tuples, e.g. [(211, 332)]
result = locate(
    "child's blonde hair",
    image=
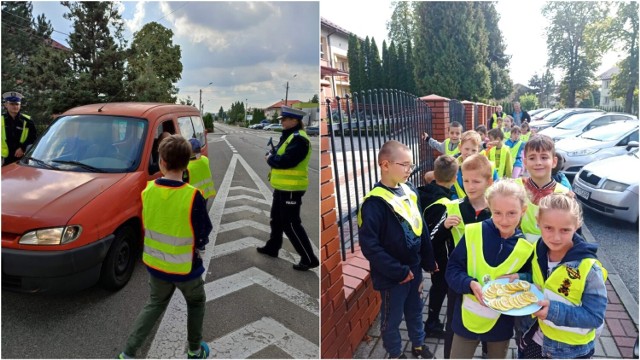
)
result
[(478, 162), (471, 135), (507, 187), (563, 202)]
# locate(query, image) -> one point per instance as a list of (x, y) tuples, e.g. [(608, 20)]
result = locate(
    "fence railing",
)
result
[(358, 128), (456, 112)]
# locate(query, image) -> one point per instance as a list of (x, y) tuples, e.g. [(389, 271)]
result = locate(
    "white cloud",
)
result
[(135, 23)]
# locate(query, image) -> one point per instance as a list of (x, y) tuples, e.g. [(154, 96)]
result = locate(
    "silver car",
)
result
[(577, 124), (599, 143), (604, 188), (558, 116)]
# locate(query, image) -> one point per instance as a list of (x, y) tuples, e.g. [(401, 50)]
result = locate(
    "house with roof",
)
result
[(606, 99), (334, 64)]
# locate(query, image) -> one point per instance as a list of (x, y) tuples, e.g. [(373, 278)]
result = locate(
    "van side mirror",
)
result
[(631, 145)]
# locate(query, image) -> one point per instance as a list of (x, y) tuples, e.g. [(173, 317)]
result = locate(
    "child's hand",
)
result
[(476, 288), (425, 136), (542, 313), (511, 277), (408, 278), (451, 221)]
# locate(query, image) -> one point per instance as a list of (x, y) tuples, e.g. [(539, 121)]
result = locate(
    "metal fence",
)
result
[(358, 128), (456, 112)]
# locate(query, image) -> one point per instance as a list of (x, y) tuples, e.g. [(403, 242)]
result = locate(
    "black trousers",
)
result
[(448, 330), (437, 293), (285, 218)]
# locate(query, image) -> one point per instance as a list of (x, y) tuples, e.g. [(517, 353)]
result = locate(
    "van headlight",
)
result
[(614, 186), (582, 152), (52, 236)]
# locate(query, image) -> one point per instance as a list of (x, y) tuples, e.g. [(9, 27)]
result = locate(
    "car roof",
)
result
[(132, 109)]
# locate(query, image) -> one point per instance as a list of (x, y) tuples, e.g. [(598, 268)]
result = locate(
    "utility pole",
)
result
[(286, 95), (200, 102)]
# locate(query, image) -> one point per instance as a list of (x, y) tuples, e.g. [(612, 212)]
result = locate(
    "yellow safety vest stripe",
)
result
[(453, 208), (23, 135), (296, 178), (453, 152), (503, 159), (514, 150), (407, 209), (529, 224), (200, 176), (475, 317), (566, 285), (169, 237), (525, 137)]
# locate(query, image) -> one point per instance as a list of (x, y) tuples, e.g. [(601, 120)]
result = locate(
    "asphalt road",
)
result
[(95, 323)]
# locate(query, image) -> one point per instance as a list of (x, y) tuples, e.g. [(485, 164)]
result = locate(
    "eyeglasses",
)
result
[(410, 167)]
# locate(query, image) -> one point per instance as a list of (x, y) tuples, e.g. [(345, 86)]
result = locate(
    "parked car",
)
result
[(603, 188), (275, 127), (536, 111), (313, 131), (71, 207), (541, 115), (596, 144), (557, 117), (256, 126), (577, 124), (268, 127)]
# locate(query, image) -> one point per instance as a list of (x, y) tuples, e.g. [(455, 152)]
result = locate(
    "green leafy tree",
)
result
[(625, 28), (402, 24), (188, 101), (497, 61), (258, 115), (98, 49), (315, 99), (221, 113), (19, 42), (528, 101), (354, 55), (575, 43), (409, 70), (154, 64), (208, 121)]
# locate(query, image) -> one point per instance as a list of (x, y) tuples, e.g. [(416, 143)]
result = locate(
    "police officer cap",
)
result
[(12, 96), (288, 112), (195, 145)]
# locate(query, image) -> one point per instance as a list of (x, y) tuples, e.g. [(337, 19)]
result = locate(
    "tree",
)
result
[(528, 101), (625, 28), (188, 101), (154, 64), (354, 55), (221, 113), (208, 121), (402, 25), (575, 42), (315, 99), (17, 42), (409, 70), (497, 61), (98, 52), (258, 115)]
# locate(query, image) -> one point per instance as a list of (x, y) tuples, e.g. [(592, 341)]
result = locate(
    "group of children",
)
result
[(470, 225)]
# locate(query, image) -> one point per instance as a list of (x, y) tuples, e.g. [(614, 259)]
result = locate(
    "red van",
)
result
[(71, 207)]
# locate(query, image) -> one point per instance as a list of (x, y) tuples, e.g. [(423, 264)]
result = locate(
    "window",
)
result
[(192, 127), (323, 48)]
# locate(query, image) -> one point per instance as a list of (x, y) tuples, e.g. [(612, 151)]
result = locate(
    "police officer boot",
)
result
[(267, 251)]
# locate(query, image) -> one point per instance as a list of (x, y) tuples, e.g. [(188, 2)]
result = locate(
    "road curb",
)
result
[(620, 288)]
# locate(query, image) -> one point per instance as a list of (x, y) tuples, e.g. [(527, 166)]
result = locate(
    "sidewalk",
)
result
[(617, 339)]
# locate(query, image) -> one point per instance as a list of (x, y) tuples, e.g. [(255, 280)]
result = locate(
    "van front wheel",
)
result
[(120, 261)]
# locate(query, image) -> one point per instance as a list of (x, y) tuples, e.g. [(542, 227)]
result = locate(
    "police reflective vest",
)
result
[(515, 149), (525, 137), (495, 119), (529, 224), (200, 176), (503, 159), (23, 136), (405, 206), (168, 238), (476, 317), (295, 178), (566, 285), (453, 152)]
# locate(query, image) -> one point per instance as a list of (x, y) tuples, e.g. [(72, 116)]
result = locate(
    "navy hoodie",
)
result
[(496, 250), (388, 242), (580, 250)]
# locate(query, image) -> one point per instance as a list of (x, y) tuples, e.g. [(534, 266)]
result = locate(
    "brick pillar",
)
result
[(482, 114), (348, 303), (439, 118), (468, 115)]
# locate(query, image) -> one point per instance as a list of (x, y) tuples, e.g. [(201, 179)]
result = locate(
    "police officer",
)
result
[(289, 177), (18, 131)]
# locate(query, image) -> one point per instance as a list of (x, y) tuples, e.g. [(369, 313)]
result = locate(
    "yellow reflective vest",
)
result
[(515, 149), (405, 206), (453, 152), (502, 166), (295, 178), (200, 176), (23, 135), (525, 137), (168, 238), (529, 224), (566, 285), (476, 317)]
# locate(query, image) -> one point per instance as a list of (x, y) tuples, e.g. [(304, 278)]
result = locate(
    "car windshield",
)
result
[(578, 121), (90, 143), (610, 132)]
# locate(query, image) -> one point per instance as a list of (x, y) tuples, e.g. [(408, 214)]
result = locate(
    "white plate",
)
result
[(527, 310)]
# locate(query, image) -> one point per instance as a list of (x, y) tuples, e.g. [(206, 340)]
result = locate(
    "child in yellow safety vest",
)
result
[(198, 172), (516, 145), (450, 146), (177, 229), (565, 267), (477, 172), (499, 154), (488, 250)]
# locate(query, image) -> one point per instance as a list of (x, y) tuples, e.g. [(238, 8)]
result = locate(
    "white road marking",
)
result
[(243, 188), (252, 209), (248, 197), (256, 336), (241, 224)]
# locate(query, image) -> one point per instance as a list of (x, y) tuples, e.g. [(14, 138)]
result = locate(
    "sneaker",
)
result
[(422, 352), (435, 330), (204, 352), (122, 355), (402, 356), (304, 267)]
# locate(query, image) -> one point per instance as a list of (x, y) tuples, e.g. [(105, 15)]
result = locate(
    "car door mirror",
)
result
[(631, 145)]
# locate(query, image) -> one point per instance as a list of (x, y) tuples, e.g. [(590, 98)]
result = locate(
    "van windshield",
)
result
[(90, 143)]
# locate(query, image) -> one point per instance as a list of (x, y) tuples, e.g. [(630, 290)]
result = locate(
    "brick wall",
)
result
[(348, 303), (469, 112), (439, 120)]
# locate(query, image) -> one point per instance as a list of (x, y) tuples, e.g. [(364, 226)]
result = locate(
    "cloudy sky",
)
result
[(247, 50), (521, 23)]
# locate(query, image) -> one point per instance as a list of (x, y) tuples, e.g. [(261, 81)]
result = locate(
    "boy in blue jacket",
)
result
[(395, 240)]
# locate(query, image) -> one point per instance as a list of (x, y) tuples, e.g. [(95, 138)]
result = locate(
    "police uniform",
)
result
[(289, 176), (18, 132)]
